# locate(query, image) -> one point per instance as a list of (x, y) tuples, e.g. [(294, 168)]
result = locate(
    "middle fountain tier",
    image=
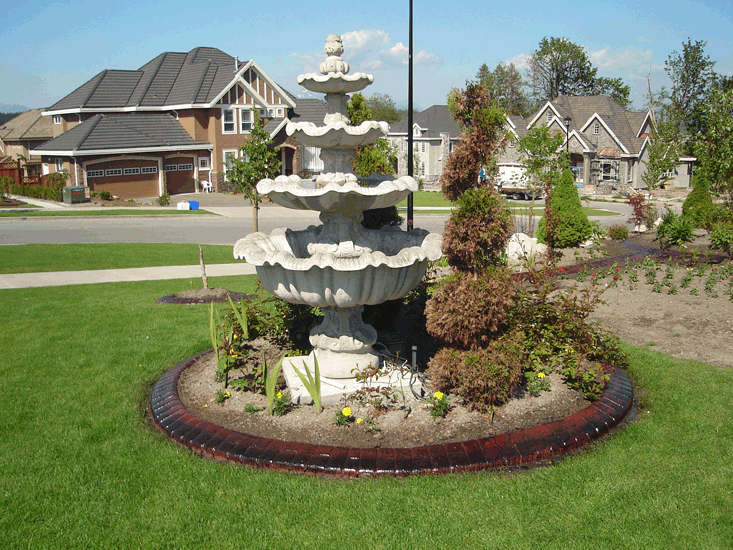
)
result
[(339, 266)]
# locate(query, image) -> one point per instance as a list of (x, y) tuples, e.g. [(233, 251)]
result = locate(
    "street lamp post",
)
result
[(567, 120)]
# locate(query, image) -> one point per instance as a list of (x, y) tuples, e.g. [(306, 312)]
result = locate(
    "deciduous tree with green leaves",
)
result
[(260, 160), (507, 87), (714, 151)]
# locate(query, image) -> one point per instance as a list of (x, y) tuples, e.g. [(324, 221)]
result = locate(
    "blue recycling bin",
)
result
[(194, 205)]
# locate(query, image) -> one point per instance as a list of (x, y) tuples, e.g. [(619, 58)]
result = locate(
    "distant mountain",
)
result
[(5, 108)]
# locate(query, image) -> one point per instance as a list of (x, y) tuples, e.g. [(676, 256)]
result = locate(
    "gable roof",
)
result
[(623, 125), (129, 132), (28, 125), (436, 119), (171, 80)]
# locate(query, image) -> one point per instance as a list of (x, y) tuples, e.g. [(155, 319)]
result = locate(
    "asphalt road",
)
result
[(205, 229)]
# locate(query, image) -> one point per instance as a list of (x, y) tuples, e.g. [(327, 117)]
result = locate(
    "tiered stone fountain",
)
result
[(338, 266)]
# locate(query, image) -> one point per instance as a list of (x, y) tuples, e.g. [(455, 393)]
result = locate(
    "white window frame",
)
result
[(58, 164), (171, 168), (549, 117), (148, 169), (422, 168), (184, 167), (112, 172), (225, 113), (95, 173), (226, 153), (596, 128), (423, 147), (57, 119), (243, 122), (512, 143), (204, 163), (131, 171), (402, 146), (280, 112)]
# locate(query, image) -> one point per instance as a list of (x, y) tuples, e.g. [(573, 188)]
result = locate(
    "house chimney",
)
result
[(236, 63)]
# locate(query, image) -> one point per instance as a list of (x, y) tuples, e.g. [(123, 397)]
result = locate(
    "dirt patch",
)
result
[(403, 424), (202, 296)]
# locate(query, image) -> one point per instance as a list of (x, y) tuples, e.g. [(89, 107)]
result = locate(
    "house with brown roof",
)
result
[(434, 134), (20, 135), (169, 125)]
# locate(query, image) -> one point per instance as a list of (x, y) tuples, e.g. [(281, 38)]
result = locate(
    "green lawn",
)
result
[(30, 258), (110, 212), (81, 468)]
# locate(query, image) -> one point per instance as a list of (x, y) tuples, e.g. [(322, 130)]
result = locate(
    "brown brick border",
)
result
[(514, 449)]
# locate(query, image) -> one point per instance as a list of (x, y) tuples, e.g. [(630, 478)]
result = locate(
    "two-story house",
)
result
[(20, 135), (165, 127), (434, 134)]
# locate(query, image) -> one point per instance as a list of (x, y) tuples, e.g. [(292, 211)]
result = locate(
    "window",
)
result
[(402, 146), (204, 163), (416, 132), (182, 167), (113, 172), (131, 171), (596, 128), (149, 169), (57, 119), (59, 164), (423, 147), (95, 173), (549, 117), (245, 117), (280, 112), (171, 167), (227, 118), (511, 143), (422, 168), (229, 154)]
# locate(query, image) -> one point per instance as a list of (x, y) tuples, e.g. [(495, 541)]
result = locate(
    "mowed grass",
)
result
[(31, 258), (81, 468), (110, 212)]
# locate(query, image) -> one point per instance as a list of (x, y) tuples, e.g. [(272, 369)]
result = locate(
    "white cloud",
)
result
[(372, 65), (396, 54), (424, 58), (521, 61), (365, 41), (634, 60)]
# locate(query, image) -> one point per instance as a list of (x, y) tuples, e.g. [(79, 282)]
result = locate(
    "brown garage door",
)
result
[(179, 172), (127, 179)]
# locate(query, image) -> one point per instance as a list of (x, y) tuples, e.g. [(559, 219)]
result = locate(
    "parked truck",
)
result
[(517, 190)]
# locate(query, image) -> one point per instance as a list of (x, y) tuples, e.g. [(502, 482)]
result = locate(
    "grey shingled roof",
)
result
[(309, 110), (520, 124), (122, 131), (437, 119), (172, 78), (27, 125), (624, 124)]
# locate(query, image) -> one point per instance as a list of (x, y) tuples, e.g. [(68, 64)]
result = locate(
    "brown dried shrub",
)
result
[(484, 377), (466, 312)]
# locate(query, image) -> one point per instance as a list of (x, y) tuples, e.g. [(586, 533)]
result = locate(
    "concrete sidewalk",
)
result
[(63, 278)]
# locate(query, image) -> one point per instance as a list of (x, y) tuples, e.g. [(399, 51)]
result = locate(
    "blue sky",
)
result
[(48, 49)]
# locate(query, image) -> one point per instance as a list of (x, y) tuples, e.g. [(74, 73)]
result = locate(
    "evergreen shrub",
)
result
[(618, 232), (698, 208), (573, 227)]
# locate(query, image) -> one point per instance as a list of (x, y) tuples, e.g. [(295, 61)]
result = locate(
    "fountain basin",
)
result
[(337, 134), (342, 193), (335, 83)]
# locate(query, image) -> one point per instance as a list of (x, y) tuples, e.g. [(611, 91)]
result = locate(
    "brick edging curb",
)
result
[(173, 299), (514, 449)]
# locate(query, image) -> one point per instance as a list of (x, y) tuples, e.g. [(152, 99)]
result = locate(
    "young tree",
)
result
[(714, 150), (259, 161), (506, 86), (573, 226), (482, 127), (692, 76), (383, 108)]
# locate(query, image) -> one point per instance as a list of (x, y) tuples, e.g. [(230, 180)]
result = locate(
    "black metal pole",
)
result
[(410, 218)]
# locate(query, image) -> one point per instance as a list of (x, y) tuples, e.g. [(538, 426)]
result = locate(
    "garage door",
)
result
[(128, 179), (179, 172)]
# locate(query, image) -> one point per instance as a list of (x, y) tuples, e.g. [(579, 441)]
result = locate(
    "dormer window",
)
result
[(416, 132), (57, 119), (596, 128)]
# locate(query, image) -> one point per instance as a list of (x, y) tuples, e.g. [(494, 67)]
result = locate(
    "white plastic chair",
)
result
[(206, 186)]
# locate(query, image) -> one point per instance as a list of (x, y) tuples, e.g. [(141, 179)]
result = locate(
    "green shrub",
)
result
[(485, 377), (573, 227), (466, 312), (722, 238), (476, 234), (6, 182), (675, 230), (164, 199), (699, 207), (104, 195), (618, 232)]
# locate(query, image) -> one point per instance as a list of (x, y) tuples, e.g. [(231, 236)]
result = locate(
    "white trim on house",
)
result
[(574, 133), (279, 127), (541, 111), (603, 123), (133, 150), (646, 119), (158, 165)]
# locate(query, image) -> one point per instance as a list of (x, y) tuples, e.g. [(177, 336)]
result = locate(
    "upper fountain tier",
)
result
[(336, 83)]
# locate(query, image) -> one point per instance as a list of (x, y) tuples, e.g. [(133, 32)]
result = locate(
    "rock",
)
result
[(522, 248), (700, 232), (641, 228), (587, 244)]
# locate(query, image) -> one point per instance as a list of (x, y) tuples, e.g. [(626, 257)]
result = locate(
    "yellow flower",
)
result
[(540, 375), (359, 420), (235, 336), (206, 406), (279, 394), (227, 394), (438, 395), (346, 411)]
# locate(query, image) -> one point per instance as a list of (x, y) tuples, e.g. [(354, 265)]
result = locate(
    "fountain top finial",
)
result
[(333, 63)]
